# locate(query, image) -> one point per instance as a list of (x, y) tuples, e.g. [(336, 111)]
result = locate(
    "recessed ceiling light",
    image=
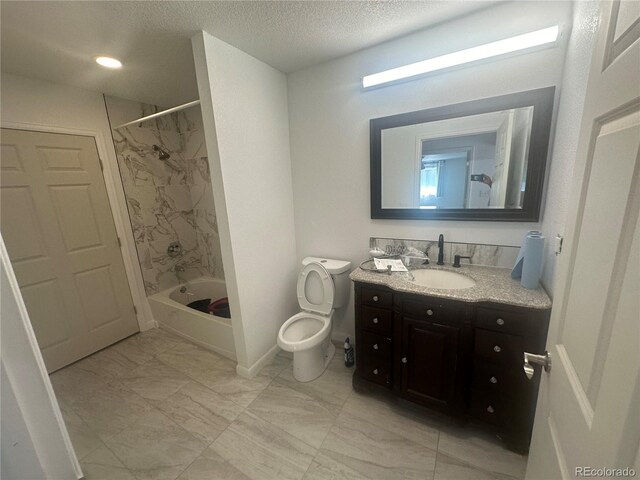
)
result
[(109, 62), (488, 50)]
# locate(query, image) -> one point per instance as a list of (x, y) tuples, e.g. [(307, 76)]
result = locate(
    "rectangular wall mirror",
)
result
[(478, 160)]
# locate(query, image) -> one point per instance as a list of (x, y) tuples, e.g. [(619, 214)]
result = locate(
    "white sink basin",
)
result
[(441, 279)]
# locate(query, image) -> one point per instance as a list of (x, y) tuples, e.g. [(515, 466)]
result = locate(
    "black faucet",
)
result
[(441, 250), (457, 258)]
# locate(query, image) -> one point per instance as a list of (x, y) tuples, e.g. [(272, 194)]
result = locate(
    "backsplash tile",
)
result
[(168, 200), (481, 254)]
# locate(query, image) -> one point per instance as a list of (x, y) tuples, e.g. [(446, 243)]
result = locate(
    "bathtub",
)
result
[(212, 332)]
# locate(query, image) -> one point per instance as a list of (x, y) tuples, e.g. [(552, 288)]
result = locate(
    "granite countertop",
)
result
[(493, 284)]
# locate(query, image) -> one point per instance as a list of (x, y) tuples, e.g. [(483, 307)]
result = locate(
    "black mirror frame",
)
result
[(541, 99)]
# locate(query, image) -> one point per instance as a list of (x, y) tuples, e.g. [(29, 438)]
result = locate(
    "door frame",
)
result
[(119, 213)]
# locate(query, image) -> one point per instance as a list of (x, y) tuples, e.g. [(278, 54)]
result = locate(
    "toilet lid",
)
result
[(315, 289)]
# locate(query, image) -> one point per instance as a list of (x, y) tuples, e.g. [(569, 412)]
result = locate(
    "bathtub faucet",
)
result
[(179, 269)]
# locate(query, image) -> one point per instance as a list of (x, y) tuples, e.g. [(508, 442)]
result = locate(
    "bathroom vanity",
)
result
[(459, 351)]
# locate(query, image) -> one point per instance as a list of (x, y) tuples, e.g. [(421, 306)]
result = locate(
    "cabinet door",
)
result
[(429, 357)]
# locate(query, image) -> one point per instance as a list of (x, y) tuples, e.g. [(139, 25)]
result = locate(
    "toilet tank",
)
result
[(339, 270)]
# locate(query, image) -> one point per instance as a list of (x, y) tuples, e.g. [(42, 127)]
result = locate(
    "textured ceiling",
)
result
[(57, 41)]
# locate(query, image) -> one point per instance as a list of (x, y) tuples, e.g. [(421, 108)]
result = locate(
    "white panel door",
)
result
[(588, 414), (56, 221)]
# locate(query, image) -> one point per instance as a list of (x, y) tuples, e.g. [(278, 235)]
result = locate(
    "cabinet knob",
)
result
[(404, 359), (375, 346), (490, 409), (493, 380), (375, 320), (375, 371), (497, 349), (429, 312), (500, 321), (375, 298)]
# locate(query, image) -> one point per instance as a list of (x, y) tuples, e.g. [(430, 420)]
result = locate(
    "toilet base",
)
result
[(310, 364)]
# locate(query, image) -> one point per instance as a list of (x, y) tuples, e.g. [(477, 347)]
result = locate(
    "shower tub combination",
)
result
[(210, 331)]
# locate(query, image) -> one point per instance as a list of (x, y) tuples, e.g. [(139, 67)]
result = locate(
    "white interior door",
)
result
[(588, 413), (504, 134), (56, 222)]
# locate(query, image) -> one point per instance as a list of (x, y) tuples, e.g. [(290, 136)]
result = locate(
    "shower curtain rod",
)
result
[(160, 114)]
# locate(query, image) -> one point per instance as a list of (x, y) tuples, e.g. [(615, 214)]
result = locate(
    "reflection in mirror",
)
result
[(476, 161)]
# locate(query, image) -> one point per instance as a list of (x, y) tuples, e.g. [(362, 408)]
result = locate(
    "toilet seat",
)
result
[(291, 342), (328, 289)]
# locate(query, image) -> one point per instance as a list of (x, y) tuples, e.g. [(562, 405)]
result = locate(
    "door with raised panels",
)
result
[(588, 414), (57, 225)]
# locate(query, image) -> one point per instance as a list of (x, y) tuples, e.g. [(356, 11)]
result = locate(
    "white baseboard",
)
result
[(337, 338), (254, 369)]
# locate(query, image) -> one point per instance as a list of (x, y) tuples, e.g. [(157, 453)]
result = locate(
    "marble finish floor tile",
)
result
[(112, 408), (330, 389), (156, 407), (201, 411), (394, 418), (155, 380), (263, 451), (155, 447), (211, 466), (366, 449), (294, 412), (479, 449), (223, 379), (189, 359), (154, 341), (115, 361), (83, 439), (448, 468), (101, 464), (74, 385)]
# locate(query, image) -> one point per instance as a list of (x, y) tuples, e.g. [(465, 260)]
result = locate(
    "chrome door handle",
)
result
[(529, 358)]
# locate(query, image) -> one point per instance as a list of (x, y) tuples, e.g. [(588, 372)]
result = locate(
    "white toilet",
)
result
[(323, 285)]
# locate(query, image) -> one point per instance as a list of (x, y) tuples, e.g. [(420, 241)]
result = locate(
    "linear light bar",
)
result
[(488, 50)]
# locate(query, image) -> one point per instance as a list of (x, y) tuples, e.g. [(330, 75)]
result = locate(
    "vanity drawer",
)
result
[(377, 319), (376, 347), (433, 311), (498, 347), (501, 320), (377, 297), (376, 370), (494, 377), (490, 407)]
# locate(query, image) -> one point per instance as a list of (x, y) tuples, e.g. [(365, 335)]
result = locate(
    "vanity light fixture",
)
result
[(488, 50), (108, 62)]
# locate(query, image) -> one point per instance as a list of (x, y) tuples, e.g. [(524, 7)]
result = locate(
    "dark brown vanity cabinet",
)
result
[(460, 358)]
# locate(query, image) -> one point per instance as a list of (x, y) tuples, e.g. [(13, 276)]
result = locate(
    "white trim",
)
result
[(118, 204), (28, 375), (262, 362), (160, 114)]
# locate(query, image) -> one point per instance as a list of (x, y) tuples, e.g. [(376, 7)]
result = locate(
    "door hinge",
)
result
[(101, 164), (119, 242), (135, 310)]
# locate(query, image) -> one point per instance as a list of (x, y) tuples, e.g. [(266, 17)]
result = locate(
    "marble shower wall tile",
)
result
[(481, 254), (168, 200)]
